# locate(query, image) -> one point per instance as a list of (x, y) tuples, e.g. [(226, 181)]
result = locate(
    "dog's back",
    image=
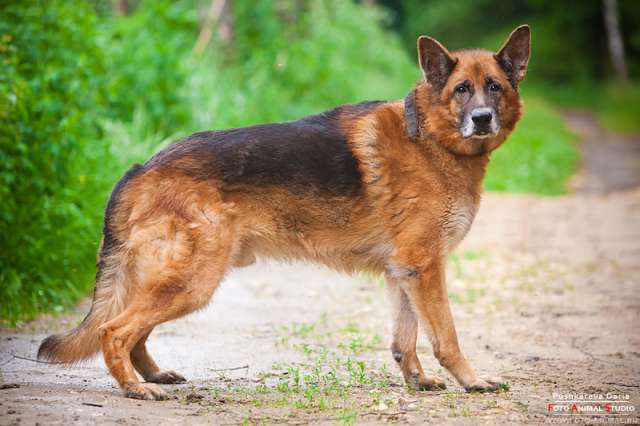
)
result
[(308, 155)]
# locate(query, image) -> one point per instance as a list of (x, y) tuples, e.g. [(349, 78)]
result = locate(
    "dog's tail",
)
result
[(109, 296), (83, 341)]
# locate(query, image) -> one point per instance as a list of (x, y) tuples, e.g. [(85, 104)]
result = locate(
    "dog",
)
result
[(389, 187)]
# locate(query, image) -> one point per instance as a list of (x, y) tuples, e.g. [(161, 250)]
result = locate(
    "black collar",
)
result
[(412, 126)]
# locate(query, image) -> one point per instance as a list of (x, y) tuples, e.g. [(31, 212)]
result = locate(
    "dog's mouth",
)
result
[(483, 134), (479, 133)]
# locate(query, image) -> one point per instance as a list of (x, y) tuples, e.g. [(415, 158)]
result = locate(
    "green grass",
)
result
[(333, 378), (619, 107), (616, 104), (540, 155)]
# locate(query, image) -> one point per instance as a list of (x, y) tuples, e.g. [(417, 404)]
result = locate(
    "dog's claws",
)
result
[(166, 377), (485, 384), (428, 383), (146, 391)]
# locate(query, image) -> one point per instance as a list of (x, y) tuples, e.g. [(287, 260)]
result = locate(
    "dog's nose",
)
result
[(481, 117)]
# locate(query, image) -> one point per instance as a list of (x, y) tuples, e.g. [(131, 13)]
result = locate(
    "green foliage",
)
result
[(471, 26), (48, 66), (569, 42), (538, 157), (146, 59), (615, 103), (326, 54), (619, 107)]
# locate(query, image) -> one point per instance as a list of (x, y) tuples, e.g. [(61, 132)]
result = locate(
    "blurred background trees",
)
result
[(570, 38), (89, 87)]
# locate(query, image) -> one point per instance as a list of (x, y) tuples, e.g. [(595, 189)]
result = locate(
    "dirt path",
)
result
[(544, 291), (610, 161)]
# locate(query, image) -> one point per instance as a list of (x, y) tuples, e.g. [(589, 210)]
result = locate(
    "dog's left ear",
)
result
[(513, 57)]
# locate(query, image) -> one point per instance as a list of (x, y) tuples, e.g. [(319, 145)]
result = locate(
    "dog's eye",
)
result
[(494, 87), (461, 89)]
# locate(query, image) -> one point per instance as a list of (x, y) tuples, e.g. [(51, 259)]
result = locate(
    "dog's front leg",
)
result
[(405, 334), (425, 287)]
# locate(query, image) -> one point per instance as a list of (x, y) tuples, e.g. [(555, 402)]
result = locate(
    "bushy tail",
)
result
[(109, 297), (108, 301)]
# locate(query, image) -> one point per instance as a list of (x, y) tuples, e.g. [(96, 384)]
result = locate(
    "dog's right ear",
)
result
[(435, 61)]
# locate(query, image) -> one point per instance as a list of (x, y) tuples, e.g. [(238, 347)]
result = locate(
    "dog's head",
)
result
[(469, 99)]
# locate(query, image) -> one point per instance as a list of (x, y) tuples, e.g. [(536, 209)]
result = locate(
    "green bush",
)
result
[(49, 95), (146, 57), (328, 53)]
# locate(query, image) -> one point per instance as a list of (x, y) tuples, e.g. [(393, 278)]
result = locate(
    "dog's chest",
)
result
[(457, 221)]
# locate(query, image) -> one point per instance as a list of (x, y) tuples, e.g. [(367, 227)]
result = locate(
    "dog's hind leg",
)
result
[(175, 269), (147, 367), (405, 335)]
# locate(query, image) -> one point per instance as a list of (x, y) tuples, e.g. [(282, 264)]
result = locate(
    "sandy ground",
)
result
[(544, 293)]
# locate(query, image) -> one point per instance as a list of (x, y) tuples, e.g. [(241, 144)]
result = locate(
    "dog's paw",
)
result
[(147, 391), (426, 383), (431, 383), (486, 384), (166, 377)]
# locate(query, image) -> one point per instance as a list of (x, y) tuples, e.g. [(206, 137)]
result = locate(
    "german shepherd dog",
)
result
[(385, 187)]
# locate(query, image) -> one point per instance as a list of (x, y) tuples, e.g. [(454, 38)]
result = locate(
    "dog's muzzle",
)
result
[(480, 123)]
